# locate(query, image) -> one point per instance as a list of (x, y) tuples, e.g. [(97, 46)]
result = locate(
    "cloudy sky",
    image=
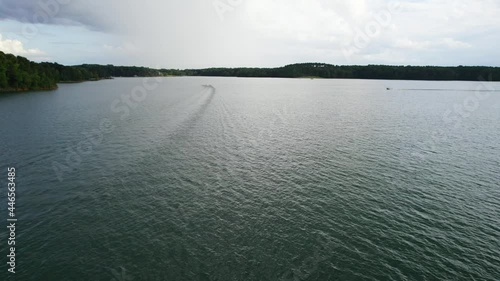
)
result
[(207, 33)]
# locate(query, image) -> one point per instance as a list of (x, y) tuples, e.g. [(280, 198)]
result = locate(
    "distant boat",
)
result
[(388, 89)]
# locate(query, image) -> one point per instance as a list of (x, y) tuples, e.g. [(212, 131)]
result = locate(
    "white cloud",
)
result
[(455, 44), (298, 20), (442, 44), (126, 48), (185, 34), (16, 47)]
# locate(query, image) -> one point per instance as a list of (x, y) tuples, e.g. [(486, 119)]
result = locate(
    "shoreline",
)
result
[(21, 90)]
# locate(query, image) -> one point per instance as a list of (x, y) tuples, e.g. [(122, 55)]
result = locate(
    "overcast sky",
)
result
[(208, 33)]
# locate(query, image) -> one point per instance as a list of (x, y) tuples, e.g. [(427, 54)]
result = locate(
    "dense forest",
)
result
[(18, 73), (321, 70)]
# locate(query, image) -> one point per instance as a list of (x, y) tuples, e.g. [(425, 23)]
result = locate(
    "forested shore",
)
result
[(322, 70), (20, 74)]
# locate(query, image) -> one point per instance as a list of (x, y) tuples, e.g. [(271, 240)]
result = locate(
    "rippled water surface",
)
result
[(255, 179)]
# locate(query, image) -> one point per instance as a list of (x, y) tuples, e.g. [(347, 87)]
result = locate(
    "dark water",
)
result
[(254, 179)]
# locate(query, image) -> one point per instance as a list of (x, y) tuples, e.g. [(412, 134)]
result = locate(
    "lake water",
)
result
[(254, 179)]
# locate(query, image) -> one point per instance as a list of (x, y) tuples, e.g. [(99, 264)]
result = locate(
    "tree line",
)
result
[(18, 73), (322, 70)]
